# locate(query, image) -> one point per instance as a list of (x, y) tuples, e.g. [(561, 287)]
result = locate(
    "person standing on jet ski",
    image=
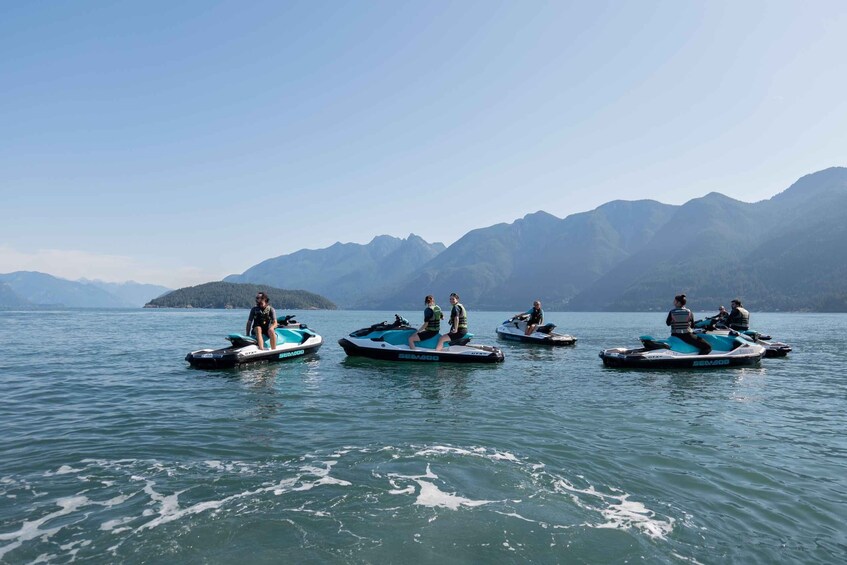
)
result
[(739, 317), (681, 320), (535, 319), (432, 322), (458, 322), (263, 321)]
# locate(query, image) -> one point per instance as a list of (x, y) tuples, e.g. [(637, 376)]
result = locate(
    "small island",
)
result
[(224, 295)]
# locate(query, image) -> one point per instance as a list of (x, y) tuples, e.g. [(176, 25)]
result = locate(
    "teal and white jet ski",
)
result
[(292, 340), (390, 342), (673, 353), (772, 348)]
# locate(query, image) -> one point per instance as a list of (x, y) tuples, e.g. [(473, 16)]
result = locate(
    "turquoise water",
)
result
[(114, 450)]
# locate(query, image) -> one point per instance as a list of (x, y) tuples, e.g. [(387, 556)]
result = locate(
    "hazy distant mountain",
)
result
[(10, 299), (788, 252), (506, 266), (131, 293), (40, 289), (234, 295), (345, 272)]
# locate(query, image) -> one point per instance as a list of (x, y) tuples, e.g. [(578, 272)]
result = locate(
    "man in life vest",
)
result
[(681, 320), (534, 317), (458, 322), (262, 321), (432, 322), (739, 317)]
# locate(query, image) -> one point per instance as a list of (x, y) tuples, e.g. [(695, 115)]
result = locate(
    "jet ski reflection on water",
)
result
[(514, 329), (672, 352), (713, 326), (292, 340), (390, 342)]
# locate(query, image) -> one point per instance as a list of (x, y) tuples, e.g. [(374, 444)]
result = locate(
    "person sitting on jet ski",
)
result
[(739, 317), (432, 322), (263, 321), (681, 320), (718, 319), (535, 317), (458, 322)]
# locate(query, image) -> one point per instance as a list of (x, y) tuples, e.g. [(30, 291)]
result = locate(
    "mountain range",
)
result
[(785, 253), (788, 252), (28, 289), (346, 273)]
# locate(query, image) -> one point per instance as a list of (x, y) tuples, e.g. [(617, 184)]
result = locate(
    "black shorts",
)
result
[(426, 334), (265, 331), (459, 334)]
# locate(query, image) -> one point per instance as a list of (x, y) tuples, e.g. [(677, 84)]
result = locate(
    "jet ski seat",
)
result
[(462, 340)]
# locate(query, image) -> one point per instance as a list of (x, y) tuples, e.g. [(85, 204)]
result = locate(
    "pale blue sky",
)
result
[(154, 140)]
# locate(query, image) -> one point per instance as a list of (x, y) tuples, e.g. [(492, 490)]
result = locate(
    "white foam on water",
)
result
[(63, 470), (619, 512), (432, 496), (683, 558), (31, 530), (628, 514), (483, 452)]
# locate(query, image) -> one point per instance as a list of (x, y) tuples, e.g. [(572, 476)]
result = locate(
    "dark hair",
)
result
[(738, 301), (680, 298), (429, 298), (263, 295), (452, 294)]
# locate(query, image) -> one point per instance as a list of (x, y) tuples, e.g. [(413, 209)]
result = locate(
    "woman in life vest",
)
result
[(681, 320), (432, 322), (263, 321), (458, 322)]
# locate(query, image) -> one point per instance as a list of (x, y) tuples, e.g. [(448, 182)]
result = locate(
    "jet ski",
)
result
[(772, 348), (673, 353), (292, 340), (514, 329), (391, 342)]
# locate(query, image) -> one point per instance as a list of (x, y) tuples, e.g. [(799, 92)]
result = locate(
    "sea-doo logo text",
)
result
[(291, 354), (713, 363), (413, 357)]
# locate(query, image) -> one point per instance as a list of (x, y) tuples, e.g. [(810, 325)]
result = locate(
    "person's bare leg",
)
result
[(413, 340), (260, 340), (273, 338)]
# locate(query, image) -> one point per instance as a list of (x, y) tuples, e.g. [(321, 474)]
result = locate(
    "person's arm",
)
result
[(274, 323), (668, 320), (428, 314), (249, 323)]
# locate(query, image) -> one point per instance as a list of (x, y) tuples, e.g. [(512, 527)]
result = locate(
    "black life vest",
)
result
[(536, 316), (262, 316)]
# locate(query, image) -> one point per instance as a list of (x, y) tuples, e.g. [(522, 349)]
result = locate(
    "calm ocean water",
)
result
[(113, 449)]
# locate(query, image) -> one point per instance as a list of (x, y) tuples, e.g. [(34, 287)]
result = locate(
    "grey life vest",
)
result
[(680, 321)]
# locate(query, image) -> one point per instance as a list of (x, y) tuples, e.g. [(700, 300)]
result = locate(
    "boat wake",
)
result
[(348, 500)]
